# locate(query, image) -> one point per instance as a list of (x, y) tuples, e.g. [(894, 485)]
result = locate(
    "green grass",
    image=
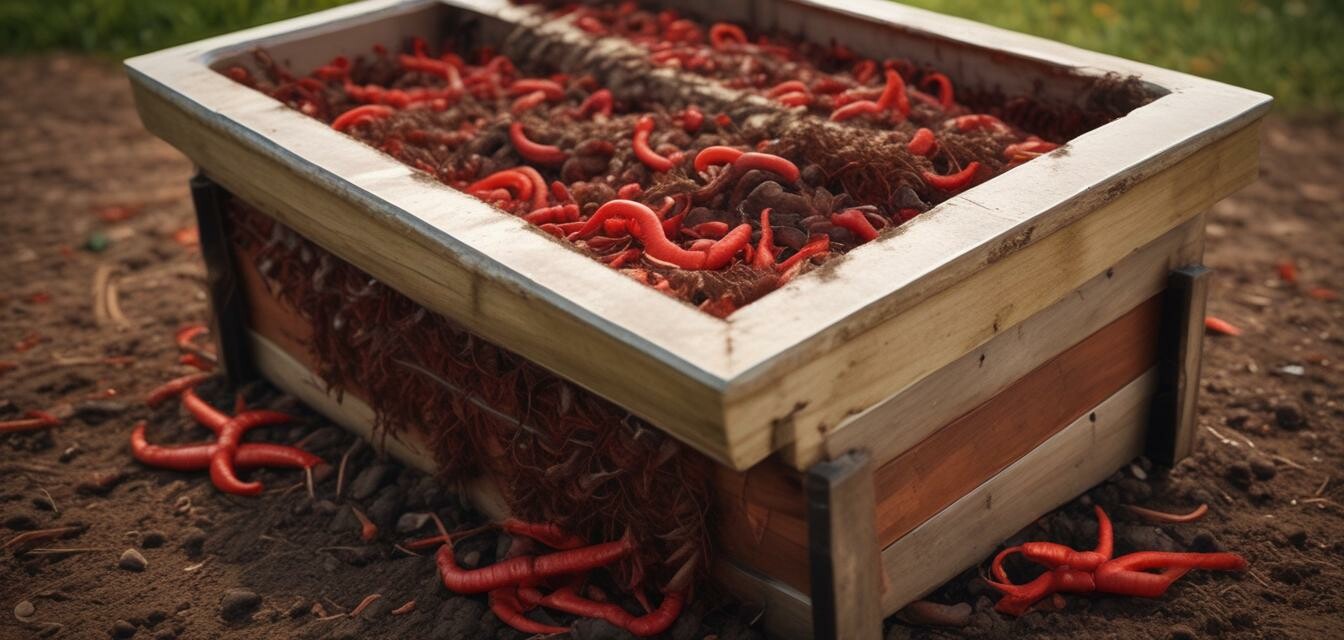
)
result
[(1288, 48), (1291, 49), (122, 28)]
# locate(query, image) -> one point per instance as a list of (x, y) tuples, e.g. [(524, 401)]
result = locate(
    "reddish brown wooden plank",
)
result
[(968, 451)]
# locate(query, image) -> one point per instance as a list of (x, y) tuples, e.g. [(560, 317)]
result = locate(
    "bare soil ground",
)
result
[(283, 565)]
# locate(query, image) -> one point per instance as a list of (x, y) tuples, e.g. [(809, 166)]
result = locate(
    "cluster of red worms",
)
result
[(561, 455), (713, 198), (707, 163)]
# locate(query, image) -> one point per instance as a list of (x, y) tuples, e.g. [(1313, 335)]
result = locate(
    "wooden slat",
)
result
[(1069, 463), (228, 304), (900, 422), (843, 550), (881, 350), (1181, 349), (758, 517), (960, 456)]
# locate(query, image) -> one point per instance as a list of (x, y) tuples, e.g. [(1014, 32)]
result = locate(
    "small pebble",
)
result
[(153, 539), (165, 634), (193, 540), (24, 609), (238, 603), (123, 629), (411, 522), (1181, 632), (1263, 468), (1289, 417), (1239, 473), (132, 560), (1296, 536), (369, 481)]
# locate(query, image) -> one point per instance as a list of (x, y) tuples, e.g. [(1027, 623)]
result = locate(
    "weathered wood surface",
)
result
[(884, 349), (971, 449), (843, 550), (1069, 463), (895, 425), (779, 371), (761, 522)]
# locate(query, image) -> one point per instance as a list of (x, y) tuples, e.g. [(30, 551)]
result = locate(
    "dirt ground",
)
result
[(89, 304)]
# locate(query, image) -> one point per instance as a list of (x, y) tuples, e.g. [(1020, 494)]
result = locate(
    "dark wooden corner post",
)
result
[(1171, 434), (846, 564), (228, 307)]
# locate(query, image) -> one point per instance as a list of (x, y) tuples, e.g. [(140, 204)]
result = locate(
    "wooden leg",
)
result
[(842, 539), (228, 307), (1171, 435)]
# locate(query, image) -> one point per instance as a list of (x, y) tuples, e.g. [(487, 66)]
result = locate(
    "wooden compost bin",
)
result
[(878, 428)]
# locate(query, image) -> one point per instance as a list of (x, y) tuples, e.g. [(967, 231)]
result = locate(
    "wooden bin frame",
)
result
[(813, 384)]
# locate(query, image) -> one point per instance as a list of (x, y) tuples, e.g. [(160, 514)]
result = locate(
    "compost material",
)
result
[(709, 163)]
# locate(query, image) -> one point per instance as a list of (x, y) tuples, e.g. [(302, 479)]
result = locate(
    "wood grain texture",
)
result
[(971, 449), (822, 383), (1069, 463), (898, 423), (843, 550)]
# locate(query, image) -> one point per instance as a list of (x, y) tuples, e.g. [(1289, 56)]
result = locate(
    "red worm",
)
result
[(527, 102), (691, 119), (1128, 575), (1024, 151), (629, 191), (1221, 326), (195, 457), (657, 246), (767, 162), (765, 248), (788, 86), (550, 88), (561, 192), (856, 223), (360, 115), (921, 143), (521, 569), (547, 533), (894, 95), (816, 246), (513, 179), (945, 95), (31, 420), (553, 214), (431, 66), (599, 101), (568, 600), (710, 156), (852, 109), (532, 151), (1057, 555), (722, 35), (505, 605), (591, 25), (795, 99), (953, 181), (538, 185), (187, 334), (650, 158), (864, 71), (1169, 518), (174, 387), (977, 121)]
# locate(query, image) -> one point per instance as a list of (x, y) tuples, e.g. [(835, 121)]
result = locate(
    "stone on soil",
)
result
[(132, 560), (238, 604)]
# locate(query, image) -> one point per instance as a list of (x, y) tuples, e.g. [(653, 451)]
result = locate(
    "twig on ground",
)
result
[(1152, 515)]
